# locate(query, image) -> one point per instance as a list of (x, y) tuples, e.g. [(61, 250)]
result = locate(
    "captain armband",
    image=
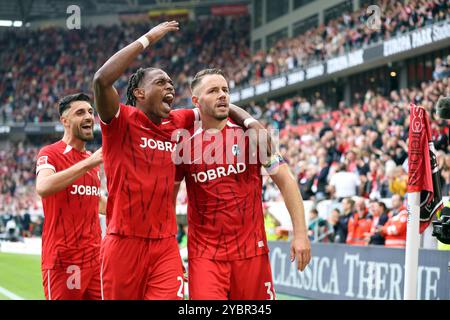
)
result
[(274, 162)]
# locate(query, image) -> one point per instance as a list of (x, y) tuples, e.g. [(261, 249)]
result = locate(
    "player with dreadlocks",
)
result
[(140, 256)]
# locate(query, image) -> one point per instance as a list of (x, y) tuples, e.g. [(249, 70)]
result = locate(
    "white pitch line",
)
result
[(9, 294)]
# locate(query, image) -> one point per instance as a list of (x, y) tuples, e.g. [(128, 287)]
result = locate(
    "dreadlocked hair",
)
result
[(134, 82)]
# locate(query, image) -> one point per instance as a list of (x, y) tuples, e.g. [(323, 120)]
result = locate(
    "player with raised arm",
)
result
[(68, 181), (227, 246), (140, 255)]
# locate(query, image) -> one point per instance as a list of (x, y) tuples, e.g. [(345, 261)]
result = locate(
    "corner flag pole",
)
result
[(423, 177), (417, 142), (412, 247)]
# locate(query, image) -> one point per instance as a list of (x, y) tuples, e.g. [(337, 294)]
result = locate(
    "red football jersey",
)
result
[(225, 214), (72, 233), (140, 173)]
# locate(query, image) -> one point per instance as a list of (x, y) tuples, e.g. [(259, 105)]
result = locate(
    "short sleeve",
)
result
[(46, 159), (117, 122)]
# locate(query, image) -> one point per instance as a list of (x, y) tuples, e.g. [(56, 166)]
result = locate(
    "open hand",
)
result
[(161, 30), (301, 250)]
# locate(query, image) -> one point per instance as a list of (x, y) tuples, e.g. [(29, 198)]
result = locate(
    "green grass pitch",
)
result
[(21, 275)]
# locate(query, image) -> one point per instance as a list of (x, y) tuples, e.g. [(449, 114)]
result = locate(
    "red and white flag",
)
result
[(423, 171)]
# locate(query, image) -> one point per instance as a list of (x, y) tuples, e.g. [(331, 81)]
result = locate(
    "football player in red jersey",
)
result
[(227, 246), (140, 255), (69, 183)]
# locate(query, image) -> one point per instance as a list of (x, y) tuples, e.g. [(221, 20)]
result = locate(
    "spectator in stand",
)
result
[(377, 183), (38, 226), (270, 192), (397, 205), (440, 69), (334, 225), (271, 225), (398, 181), (320, 180), (318, 229), (359, 224), (12, 230), (343, 184), (344, 218), (378, 212), (394, 230), (305, 109), (25, 223), (306, 183)]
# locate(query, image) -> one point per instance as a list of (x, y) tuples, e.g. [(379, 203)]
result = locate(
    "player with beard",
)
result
[(227, 246), (68, 182), (140, 255)]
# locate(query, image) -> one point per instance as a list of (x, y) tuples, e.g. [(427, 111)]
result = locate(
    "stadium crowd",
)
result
[(363, 144), (344, 34), (21, 213), (355, 154), (32, 80), (20, 210)]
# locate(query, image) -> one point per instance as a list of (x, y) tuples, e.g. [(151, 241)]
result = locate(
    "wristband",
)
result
[(248, 121), (144, 41)]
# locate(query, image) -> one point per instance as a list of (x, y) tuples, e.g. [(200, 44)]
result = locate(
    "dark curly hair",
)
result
[(134, 83)]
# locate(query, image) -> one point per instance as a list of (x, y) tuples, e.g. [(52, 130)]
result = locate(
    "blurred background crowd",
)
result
[(352, 154)]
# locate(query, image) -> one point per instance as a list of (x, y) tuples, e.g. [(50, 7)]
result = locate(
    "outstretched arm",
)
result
[(300, 246), (239, 115), (106, 97), (48, 182), (261, 134)]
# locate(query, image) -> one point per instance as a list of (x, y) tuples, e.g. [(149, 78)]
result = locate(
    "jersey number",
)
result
[(269, 290), (180, 290)]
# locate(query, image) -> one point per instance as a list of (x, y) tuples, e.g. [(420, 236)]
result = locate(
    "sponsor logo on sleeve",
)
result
[(42, 160)]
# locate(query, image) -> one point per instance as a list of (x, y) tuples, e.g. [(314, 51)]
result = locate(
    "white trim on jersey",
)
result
[(101, 278), (68, 149), (232, 125), (198, 131), (45, 166), (116, 116), (197, 114), (48, 285)]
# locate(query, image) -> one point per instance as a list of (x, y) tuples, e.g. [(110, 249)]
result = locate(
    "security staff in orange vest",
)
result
[(359, 225), (394, 231)]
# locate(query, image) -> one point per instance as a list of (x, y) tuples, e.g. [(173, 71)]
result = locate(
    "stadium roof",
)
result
[(29, 10)]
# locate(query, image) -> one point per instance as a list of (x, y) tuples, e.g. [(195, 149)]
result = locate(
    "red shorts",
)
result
[(246, 279), (72, 283), (141, 269)]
